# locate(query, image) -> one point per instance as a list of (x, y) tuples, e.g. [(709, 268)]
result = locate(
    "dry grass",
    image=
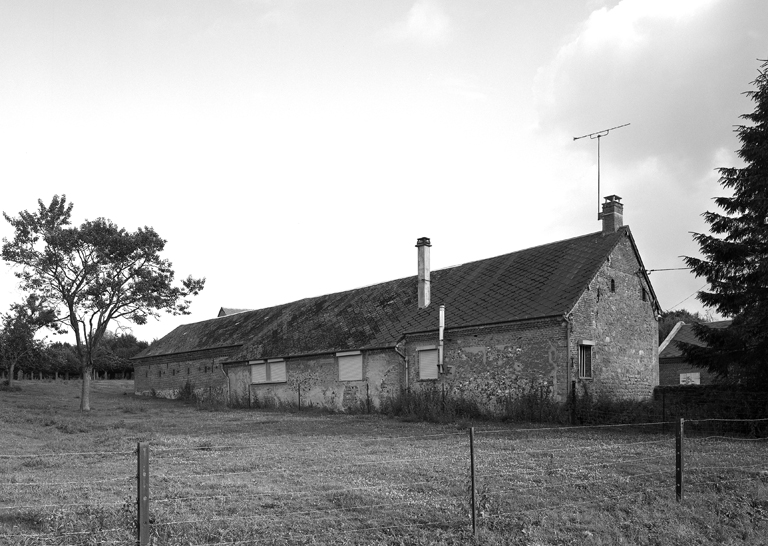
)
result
[(261, 477)]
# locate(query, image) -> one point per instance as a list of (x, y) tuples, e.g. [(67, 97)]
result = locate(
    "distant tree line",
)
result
[(36, 358)]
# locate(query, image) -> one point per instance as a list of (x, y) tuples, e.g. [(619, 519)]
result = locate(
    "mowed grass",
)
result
[(260, 477)]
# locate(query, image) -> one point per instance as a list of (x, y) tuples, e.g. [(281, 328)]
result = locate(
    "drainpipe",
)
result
[(441, 330), (405, 359), (568, 357)]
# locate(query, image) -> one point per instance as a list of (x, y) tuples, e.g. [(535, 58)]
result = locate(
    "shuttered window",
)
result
[(272, 371), (258, 373), (428, 364), (350, 366), (276, 371)]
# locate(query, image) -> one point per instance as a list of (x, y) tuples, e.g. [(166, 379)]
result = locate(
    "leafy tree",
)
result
[(94, 274), (735, 260), (115, 351), (668, 320), (18, 346)]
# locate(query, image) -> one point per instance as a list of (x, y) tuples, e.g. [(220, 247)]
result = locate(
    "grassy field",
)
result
[(258, 477)]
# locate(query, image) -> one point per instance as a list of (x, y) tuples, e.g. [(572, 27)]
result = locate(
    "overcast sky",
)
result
[(289, 149)]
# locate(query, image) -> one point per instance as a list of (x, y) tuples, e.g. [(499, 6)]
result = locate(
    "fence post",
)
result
[(142, 513), (679, 460), (472, 478)]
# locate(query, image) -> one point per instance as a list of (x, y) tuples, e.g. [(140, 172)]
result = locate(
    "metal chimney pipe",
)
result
[(422, 246)]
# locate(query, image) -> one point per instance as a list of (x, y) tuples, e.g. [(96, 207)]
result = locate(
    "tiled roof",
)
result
[(671, 348), (537, 282)]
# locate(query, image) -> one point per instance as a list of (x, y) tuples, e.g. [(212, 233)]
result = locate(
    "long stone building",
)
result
[(579, 313)]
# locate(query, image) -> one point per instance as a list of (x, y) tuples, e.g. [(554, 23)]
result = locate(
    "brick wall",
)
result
[(622, 326), (167, 375), (491, 364), (671, 368)]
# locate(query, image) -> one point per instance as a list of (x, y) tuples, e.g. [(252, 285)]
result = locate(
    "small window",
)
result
[(613, 285), (585, 361), (350, 366), (272, 371), (428, 364), (645, 295)]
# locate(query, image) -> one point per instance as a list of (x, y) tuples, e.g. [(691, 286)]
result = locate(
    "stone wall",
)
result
[(613, 314), (491, 364), (313, 381)]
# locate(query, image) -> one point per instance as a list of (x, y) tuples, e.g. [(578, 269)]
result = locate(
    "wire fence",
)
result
[(358, 489)]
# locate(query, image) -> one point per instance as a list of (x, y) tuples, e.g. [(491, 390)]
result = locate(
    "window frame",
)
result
[(420, 354), (269, 372), (586, 347), (346, 356)]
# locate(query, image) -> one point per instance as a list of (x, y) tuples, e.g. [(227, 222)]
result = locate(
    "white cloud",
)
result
[(426, 23)]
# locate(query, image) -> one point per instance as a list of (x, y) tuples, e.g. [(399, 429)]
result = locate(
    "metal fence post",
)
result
[(142, 513), (679, 460), (472, 478)]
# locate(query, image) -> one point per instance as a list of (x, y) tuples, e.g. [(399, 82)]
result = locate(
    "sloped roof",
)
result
[(685, 334), (537, 282)]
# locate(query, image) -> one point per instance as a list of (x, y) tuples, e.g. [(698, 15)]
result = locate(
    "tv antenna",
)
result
[(598, 135)]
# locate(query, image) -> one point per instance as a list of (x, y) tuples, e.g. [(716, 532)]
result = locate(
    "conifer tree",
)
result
[(735, 257)]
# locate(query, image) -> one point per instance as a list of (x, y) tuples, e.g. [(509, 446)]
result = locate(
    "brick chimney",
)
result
[(612, 215), (422, 246)]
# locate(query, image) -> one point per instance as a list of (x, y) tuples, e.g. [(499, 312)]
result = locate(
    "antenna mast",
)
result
[(598, 135)]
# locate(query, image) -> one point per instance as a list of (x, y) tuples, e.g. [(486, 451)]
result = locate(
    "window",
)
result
[(613, 285), (427, 363), (585, 359), (271, 371), (350, 366), (645, 295)]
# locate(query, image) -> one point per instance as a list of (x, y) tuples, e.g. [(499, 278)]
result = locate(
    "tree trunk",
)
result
[(85, 393)]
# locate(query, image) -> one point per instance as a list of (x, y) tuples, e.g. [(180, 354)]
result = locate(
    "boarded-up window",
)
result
[(350, 366), (272, 371), (585, 361), (428, 364), (259, 373), (276, 371)]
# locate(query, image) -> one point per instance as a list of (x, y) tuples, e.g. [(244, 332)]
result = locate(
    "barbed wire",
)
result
[(571, 428), (579, 448), (293, 493), (296, 513), (81, 483), (67, 454), (529, 487), (160, 449), (66, 534), (65, 505), (523, 470)]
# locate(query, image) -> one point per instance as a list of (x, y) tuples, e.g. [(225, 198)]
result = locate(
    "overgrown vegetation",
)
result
[(307, 478)]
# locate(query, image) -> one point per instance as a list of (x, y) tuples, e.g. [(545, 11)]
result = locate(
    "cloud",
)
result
[(426, 23), (674, 70)]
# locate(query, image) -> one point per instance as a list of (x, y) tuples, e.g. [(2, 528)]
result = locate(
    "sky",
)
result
[(287, 149)]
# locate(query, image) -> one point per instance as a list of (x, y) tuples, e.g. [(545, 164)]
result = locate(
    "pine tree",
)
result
[(735, 255)]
